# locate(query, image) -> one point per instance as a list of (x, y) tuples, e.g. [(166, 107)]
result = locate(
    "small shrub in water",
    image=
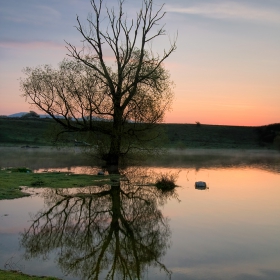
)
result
[(166, 182)]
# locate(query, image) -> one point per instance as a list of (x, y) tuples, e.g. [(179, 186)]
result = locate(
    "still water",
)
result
[(230, 230)]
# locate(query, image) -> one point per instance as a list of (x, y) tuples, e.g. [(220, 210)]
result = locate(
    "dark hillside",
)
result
[(20, 131), (268, 133), (212, 136), (34, 131)]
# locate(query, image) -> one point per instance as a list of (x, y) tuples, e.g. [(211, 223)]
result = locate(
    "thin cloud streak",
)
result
[(30, 45), (31, 14), (228, 10)]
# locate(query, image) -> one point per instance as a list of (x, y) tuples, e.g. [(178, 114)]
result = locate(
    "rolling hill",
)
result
[(35, 131)]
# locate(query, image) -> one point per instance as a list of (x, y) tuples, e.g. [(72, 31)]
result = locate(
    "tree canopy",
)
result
[(127, 87)]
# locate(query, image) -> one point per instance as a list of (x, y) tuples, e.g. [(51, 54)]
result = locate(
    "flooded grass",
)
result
[(16, 275), (12, 182), (15, 176)]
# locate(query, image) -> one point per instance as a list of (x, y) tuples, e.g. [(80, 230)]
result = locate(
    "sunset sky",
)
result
[(226, 67)]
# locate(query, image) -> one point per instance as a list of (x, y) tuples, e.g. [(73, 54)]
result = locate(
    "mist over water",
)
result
[(45, 158)]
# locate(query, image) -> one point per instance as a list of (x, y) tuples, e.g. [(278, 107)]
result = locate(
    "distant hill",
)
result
[(19, 115), (45, 116)]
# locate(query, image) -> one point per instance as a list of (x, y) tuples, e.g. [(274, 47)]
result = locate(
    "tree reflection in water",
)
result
[(115, 229)]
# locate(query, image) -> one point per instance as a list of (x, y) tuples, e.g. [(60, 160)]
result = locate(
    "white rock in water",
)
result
[(200, 185)]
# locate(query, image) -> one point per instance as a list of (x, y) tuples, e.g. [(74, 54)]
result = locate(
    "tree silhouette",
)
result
[(132, 89)]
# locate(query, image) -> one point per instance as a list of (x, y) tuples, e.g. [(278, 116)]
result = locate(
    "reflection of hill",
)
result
[(114, 229), (46, 158), (220, 158)]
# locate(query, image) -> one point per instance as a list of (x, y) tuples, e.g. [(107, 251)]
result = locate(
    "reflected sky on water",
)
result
[(231, 230)]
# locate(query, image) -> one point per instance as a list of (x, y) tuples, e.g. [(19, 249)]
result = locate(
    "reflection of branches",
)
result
[(117, 229), (13, 265)]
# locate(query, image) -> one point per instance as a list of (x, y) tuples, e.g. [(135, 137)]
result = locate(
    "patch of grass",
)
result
[(11, 182), (15, 275)]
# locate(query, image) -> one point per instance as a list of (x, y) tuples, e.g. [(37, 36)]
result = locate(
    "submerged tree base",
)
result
[(12, 181)]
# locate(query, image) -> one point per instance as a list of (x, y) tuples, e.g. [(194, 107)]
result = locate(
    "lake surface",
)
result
[(230, 230)]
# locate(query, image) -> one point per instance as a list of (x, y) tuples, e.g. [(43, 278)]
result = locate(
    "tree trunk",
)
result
[(113, 156)]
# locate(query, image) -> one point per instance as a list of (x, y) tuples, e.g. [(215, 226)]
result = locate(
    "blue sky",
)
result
[(226, 67)]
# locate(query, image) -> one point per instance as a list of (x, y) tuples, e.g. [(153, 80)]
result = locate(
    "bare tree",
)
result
[(133, 93)]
